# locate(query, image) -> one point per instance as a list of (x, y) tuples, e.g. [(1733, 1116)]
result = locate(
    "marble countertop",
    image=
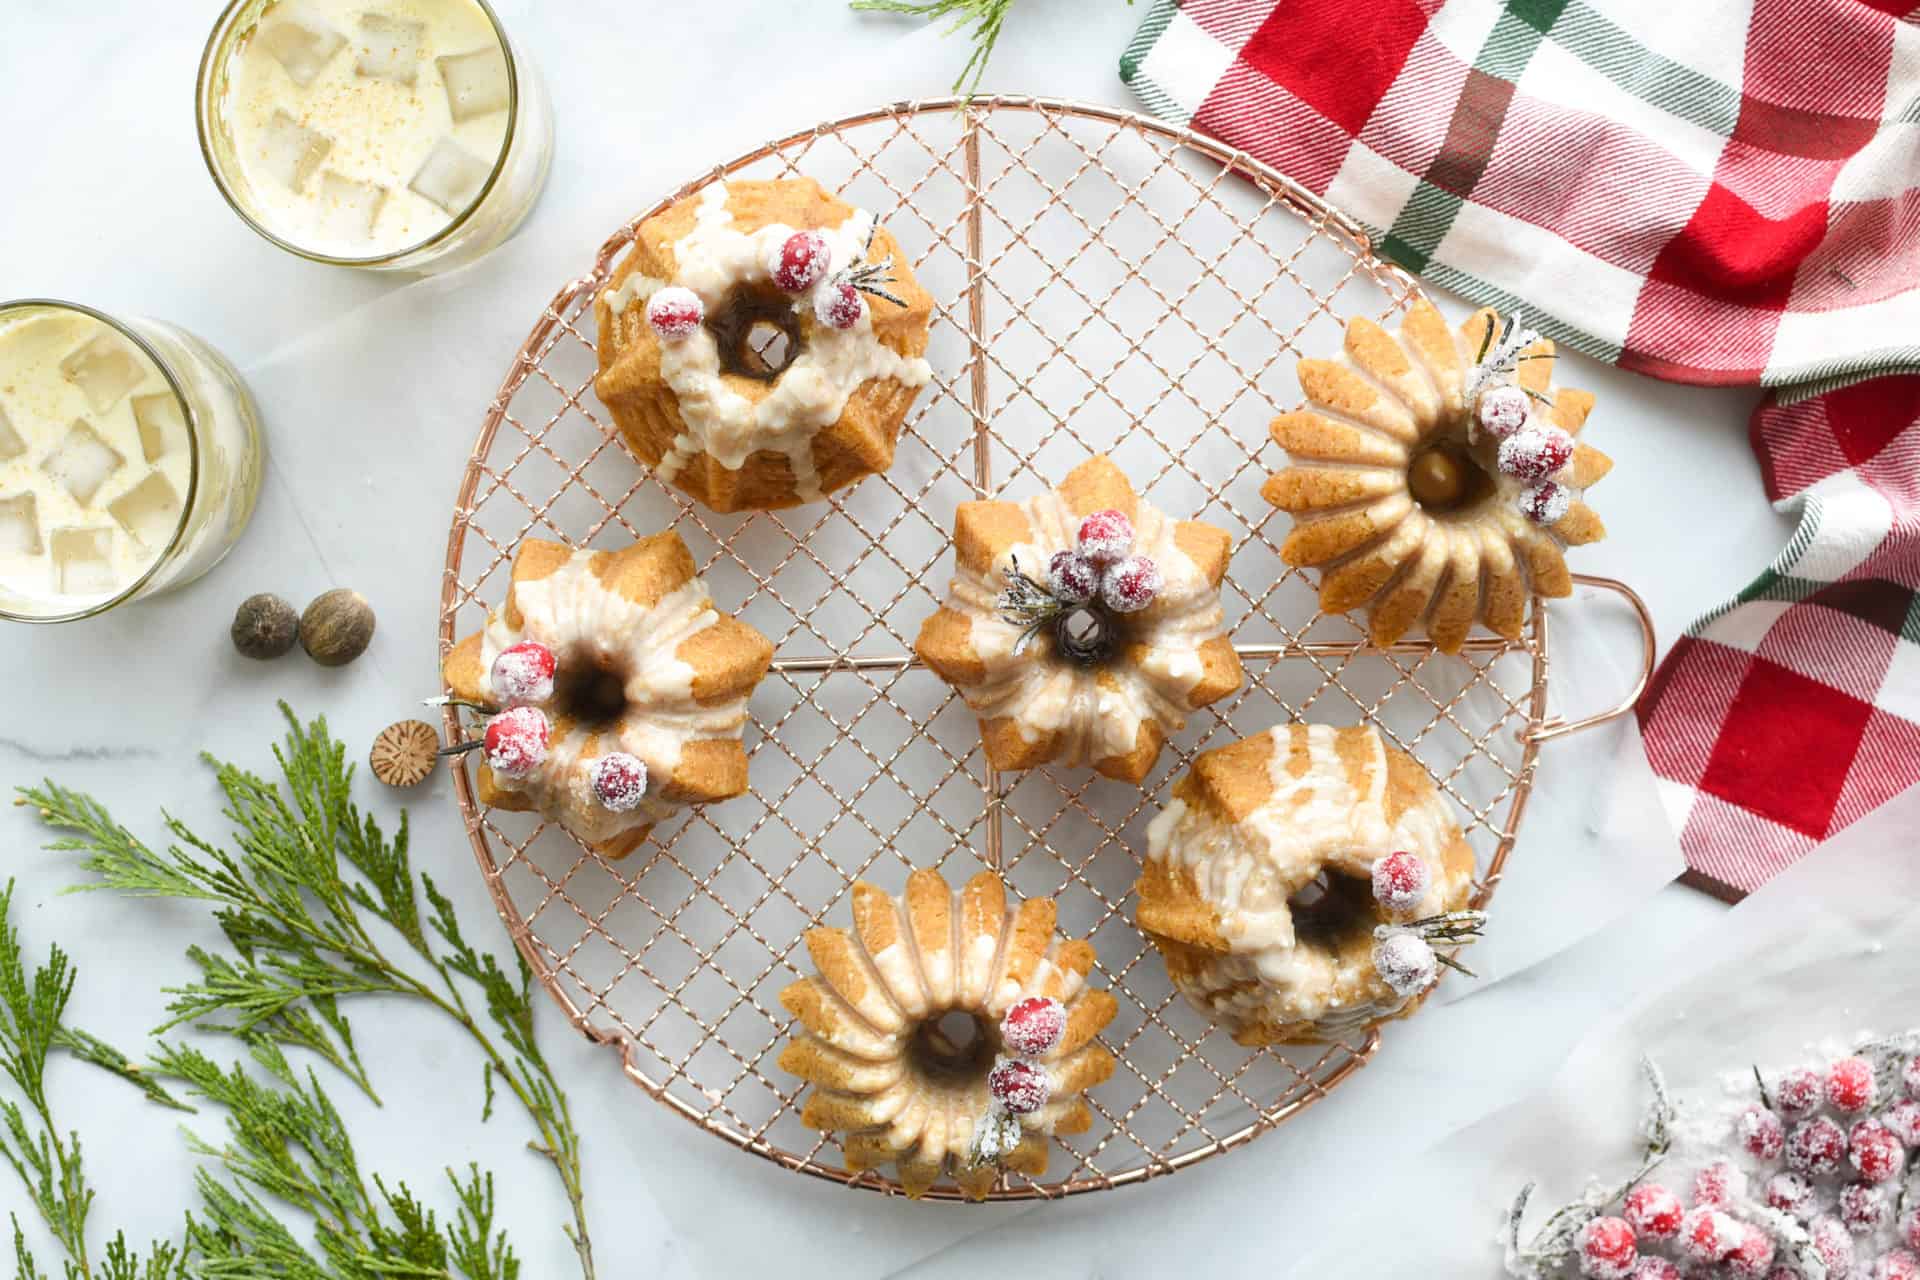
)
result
[(365, 455)]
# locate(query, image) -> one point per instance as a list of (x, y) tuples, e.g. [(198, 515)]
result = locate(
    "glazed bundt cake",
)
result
[(620, 692), (1435, 477), (762, 343), (1083, 625), (1297, 880), (891, 1075)]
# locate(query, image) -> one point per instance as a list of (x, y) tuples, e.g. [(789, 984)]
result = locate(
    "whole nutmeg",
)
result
[(337, 627), (264, 626)]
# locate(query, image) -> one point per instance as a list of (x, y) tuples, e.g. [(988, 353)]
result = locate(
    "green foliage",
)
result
[(985, 16)]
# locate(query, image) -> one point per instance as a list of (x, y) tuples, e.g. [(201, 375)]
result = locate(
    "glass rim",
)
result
[(223, 28), (187, 413)]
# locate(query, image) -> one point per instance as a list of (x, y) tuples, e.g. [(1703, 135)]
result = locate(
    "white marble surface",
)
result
[(108, 203)]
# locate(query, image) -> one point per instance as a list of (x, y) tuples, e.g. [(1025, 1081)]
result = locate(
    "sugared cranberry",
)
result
[(1130, 585), (1399, 881), (1607, 1250), (1072, 578), (1546, 502), (1652, 1268), (1718, 1184), (1753, 1256), (1862, 1207), (800, 262), (1708, 1234), (1874, 1151), (1654, 1211), (1909, 1228), (1798, 1093), (1503, 410), (1020, 1087), (675, 312), (1903, 1118), (619, 781), (1791, 1194), (1832, 1244), (516, 741), (1535, 452), (1405, 962), (523, 673), (1816, 1147), (1761, 1133), (1106, 536), (1898, 1265), (1034, 1025), (1850, 1086), (839, 306)]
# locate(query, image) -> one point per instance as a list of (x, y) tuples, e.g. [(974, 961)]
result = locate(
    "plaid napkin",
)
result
[(1712, 191)]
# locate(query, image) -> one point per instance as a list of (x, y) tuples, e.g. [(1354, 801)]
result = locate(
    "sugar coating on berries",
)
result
[(1020, 1087), (1903, 1118), (1607, 1250), (1654, 1211), (1850, 1086), (1034, 1025), (1874, 1151), (1816, 1147), (1791, 1194), (1130, 585), (516, 741), (1909, 1229), (1797, 1093), (1503, 410), (1400, 881), (839, 306), (675, 312), (1072, 577), (1898, 1265), (1761, 1133), (1708, 1234), (523, 673), (1405, 962), (1652, 1268), (800, 262), (1910, 1078), (1718, 1183), (1106, 536), (1863, 1208), (1832, 1244), (1546, 502), (619, 781), (1535, 452), (1753, 1256)]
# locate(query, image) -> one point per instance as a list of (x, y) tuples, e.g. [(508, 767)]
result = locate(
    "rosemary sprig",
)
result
[(986, 16), (308, 876)]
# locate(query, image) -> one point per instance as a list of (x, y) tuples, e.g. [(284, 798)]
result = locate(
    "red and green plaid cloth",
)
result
[(1712, 191)]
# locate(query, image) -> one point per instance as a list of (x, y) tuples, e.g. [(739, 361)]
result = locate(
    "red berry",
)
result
[(1910, 1229), (1607, 1250), (523, 673), (1898, 1265), (1903, 1118), (1034, 1025), (800, 262), (619, 781), (1816, 1146), (1535, 452), (1832, 1245), (1850, 1085), (1910, 1078), (1863, 1208), (1761, 1133), (1718, 1184), (1399, 881), (1708, 1234), (839, 306), (1503, 410), (1020, 1087), (1753, 1256), (1652, 1268), (1654, 1211), (1874, 1151), (1791, 1194), (1405, 962), (1130, 585), (1546, 502), (1798, 1093), (1106, 536), (1072, 578), (675, 312), (516, 741)]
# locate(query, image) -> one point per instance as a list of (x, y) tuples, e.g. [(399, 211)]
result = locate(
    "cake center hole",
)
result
[(1331, 909), (953, 1046), (756, 333), (590, 690), (770, 343), (1084, 634), (1444, 477)]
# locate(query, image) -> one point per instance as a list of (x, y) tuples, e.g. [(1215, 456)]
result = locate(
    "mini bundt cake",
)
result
[(762, 343), (1435, 476), (619, 691), (1083, 625), (1296, 880), (897, 1083)]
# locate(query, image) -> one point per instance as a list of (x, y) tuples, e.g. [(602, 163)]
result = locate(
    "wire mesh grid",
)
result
[(1106, 284)]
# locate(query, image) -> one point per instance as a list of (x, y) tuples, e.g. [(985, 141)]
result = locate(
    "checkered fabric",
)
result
[(1711, 191)]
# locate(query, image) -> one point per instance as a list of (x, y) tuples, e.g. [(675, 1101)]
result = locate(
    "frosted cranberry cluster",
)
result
[(1101, 566), (519, 736), (1529, 450)]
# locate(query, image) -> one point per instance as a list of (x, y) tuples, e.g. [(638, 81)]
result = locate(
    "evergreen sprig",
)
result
[(985, 16)]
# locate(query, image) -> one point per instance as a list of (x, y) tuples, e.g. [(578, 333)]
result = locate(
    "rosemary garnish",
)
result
[(871, 277), (1501, 359), (1453, 927), (1080, 632)]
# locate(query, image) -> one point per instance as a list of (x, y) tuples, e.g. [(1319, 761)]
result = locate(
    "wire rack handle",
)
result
[(1561, 727)]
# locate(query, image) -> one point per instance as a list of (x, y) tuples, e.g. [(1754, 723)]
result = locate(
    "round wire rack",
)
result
[(1108, 283)]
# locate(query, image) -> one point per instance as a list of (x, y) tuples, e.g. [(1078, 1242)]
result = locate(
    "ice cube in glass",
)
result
[(348, 208), (105, 368), (83, 561), (291, 152), (299, 39), (451, 177), (83, 461), (11, 445), (476, 82), (19, 526), (163, 428), (389, 48), (149, 512)]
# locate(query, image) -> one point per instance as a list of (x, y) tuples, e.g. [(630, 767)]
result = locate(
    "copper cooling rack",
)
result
[(1107, 284)]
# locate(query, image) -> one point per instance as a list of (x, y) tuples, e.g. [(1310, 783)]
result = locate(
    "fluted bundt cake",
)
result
[(877, 1033), (619, 691), (1083, 625), (1297, 881), (761, 344), (1435, 477)]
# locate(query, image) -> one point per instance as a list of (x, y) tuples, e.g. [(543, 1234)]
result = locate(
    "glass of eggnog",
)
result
[(398, 135), (130, 459)]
